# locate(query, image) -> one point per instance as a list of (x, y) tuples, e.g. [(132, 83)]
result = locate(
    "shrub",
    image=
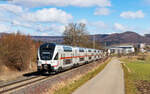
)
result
[(141, 57), (17, 51)]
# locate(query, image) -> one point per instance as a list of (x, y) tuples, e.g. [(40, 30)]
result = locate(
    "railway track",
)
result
[(12, 87), (19, 84)]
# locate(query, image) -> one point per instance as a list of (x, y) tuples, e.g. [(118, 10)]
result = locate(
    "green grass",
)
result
[(129, 84), (68, 89), (140, 70)]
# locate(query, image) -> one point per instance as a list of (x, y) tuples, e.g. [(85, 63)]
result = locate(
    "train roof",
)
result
[(54, 44)]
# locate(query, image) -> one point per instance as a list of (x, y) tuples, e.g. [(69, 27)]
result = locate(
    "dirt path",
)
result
[(109, 81)]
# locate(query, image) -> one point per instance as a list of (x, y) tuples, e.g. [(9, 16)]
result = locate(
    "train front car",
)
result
[(47, 58)]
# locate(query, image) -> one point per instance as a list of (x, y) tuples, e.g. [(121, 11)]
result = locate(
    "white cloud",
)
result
[(102, 11), (47, 19), (18, 15), (22, 24), (142, 30), (44, 34), (40, 27), (4, 28), (57, 28), (84, 21), (81, 3), (50, 28), (11, 8), (96, 26), (48, 15), (43, 20), (120, 27), (132, 15), (99, 24)]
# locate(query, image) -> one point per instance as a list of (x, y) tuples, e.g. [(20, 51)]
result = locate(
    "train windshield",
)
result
[(46, 51)]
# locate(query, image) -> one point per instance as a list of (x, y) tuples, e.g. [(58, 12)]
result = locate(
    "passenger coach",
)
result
[(55, 58)]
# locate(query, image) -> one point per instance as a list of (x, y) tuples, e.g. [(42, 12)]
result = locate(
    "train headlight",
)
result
[(39, 62)]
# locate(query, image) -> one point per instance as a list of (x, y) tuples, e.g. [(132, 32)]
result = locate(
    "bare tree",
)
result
[(75, 34)]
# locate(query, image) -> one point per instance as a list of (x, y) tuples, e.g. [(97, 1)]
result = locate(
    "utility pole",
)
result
[(93, 41)]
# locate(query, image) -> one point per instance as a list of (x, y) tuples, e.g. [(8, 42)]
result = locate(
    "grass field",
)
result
[(136, 70)]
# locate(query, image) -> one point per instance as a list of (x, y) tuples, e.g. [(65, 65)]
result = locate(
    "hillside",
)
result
[(126, 37), (105, 39)]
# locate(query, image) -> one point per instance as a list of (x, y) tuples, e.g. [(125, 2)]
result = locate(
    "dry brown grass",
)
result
[(61, 84), (7, 74)]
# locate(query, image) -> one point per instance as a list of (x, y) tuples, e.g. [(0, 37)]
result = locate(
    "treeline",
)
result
[(17, 51)]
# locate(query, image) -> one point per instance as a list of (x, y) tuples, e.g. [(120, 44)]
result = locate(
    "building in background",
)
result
[(142, 47), (121, 49)]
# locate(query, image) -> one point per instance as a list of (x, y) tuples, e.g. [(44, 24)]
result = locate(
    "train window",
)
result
[(72, 54), (67, 61), (56, 57), (67, 49), (81, 50), (46, 51), (89, 50), (45, 55), (90, 57), (81, 59)]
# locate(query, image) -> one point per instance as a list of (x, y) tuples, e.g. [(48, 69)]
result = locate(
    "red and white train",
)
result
[(55, 58)]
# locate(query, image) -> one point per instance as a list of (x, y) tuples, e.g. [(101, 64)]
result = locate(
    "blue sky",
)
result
[(49, 17)]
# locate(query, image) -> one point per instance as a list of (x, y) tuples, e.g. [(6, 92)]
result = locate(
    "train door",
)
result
[(86, 55), (68, 60), (59, 58), (76, 56), (62, 56), (67, 57)]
